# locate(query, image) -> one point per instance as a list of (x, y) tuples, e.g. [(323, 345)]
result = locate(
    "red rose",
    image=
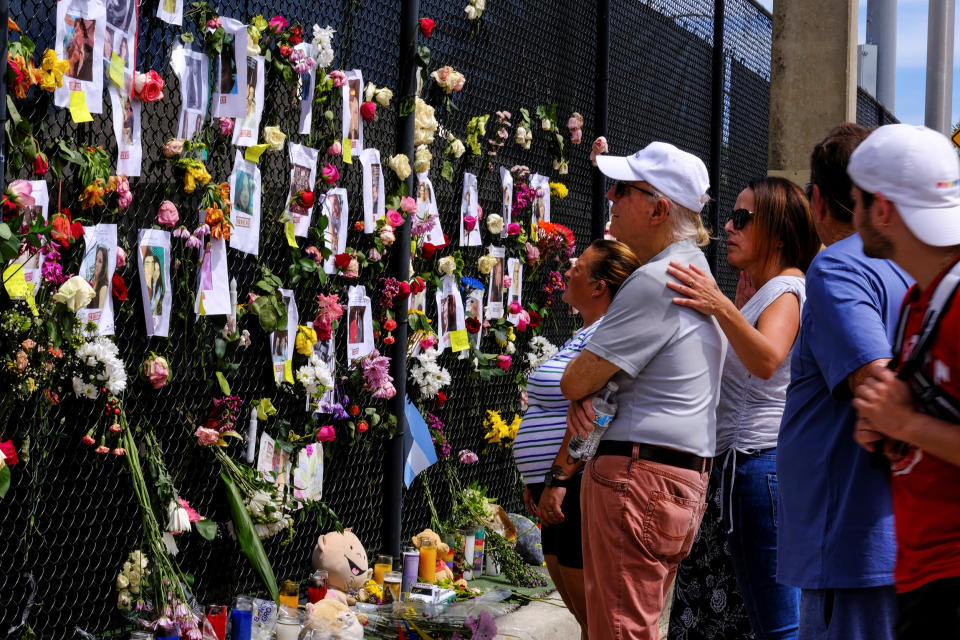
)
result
[(404, 292), (389, 340), (10, 452), (285, 51), (342, 260), (40, 164), (417, 285), (473, 325), (534, 319), (306, 198), (362, 426), (358, 226), (441, 399), (368, 110), (296, 34), (353, 410), (390, 324), (426, 26), (430, 249), (119, 287), (148, 87)]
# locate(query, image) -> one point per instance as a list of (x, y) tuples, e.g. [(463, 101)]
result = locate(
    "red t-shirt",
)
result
[(926, 489)]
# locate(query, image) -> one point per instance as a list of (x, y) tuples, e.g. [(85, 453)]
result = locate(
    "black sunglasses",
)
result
[(620, 189), (740, 218)]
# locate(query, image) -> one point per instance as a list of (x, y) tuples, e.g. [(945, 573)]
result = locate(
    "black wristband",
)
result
[(551, 480)]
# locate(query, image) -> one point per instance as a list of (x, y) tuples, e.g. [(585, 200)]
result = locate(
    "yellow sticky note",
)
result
[(347, 151), (78, 107), (253, 152), (202, 311), (289, 230), (288, 371), (116, 69), (459, 340), (17, 286)]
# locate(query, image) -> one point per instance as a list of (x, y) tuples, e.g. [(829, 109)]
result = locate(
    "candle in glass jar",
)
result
[(288, 625), (411, 566), (317, 586), (428, 562)]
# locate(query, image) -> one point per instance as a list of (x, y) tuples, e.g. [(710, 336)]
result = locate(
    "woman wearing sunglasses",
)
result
[(770, 236)]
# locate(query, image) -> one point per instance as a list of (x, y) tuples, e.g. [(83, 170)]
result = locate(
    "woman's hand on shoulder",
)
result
[(699, 289)]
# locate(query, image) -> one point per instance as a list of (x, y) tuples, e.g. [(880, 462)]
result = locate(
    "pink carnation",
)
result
[(214, 23), (339, 78), (207, 437), (124, 195), (428, 341), (515, 307), (226, 126), (514, 229), (121, 257), (192, 514), (504, 362)]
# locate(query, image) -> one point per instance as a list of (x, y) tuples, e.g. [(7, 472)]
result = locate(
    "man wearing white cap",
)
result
[(907, 195), (643, 495)]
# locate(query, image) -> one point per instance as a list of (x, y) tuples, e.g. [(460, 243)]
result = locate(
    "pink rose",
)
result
[(374, 255), (533, 254), (504, 362), (156, 369), (326, 433), (514, 229), (386, 235), (124, 195), (394, 218), (352, 270), (285, 51), (278, 23), (121, 257), (599, 147), (21, 192), (226, 126), (168, 215), (523, 319), (335, 149), (507, 282), (339, 78), (148, 87), (368, 110), (470, 223), (442, 73), (408, 205), (515, 307), (428, 341), (173, 147), (214, 23), (330, 174), (207, 437)]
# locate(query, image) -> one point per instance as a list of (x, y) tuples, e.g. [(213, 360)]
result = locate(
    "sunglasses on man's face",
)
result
[(740, 218), (620, 189)]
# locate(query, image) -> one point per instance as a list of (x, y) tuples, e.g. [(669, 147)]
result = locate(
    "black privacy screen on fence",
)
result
[(71, 518)]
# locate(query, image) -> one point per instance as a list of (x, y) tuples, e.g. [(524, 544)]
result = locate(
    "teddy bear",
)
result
[(428, 535), (344, 559)]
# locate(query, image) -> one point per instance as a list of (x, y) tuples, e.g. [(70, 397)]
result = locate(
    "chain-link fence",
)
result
[(70, 517)]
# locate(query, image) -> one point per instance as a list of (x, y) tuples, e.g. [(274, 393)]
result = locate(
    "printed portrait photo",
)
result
[(299, 181), (78, 45), (94, 268), (228, 65), (154, 259), (355, 321), (244, 196)]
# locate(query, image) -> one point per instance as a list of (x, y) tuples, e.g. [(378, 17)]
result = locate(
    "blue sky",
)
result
[(911, 58)]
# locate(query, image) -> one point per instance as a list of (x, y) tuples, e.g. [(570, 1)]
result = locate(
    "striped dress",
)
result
[(545, 422)]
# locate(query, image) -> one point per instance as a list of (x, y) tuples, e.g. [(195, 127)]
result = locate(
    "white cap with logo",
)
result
[(679, 175), (917, 169)]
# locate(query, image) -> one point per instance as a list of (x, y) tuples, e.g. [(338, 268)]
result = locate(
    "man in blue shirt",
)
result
[(835, 529)]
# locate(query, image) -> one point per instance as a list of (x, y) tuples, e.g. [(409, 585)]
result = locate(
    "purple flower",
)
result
[(194, 242), (483, 626), (467, 457), (389, 287), (335, 409), (420, 226), (376, 378), (52, 272)]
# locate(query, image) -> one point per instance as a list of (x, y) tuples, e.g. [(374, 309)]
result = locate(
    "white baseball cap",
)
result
[(679, 175), (915, 168)]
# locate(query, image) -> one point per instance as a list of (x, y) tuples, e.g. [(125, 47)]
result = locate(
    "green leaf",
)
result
[(262, 307), (265, 409), (224, 386), (220, 348), (247, 537), (5, 232), (423, 55), (187, 37), (207, 529), (4, 481), (407, 106)]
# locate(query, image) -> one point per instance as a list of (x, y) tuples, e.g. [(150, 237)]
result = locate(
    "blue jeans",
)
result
[(750, 503), (850, 614)]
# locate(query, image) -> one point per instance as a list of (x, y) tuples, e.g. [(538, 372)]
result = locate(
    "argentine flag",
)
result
[(417, 444)]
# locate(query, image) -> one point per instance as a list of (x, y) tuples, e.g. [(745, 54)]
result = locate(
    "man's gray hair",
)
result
[(687, 225)]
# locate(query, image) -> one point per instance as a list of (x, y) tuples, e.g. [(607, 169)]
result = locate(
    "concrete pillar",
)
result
[(882, 31), (813, 79), (940, 24)]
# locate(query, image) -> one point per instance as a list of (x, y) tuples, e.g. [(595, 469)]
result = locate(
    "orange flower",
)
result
[(12, 26), (219, 226), (92, 195)]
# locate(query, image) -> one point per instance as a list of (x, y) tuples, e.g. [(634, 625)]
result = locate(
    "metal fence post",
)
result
[(716, 127), (600, 109), (4, 35), (400, 269)]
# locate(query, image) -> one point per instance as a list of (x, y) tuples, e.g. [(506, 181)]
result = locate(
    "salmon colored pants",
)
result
[(639, 522)]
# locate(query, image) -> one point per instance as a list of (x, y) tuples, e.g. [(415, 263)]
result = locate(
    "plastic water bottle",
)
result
[(605, 408)]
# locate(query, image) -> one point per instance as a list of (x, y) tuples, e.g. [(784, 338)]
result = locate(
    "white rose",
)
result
[(447, 265), (421, 159), (457, 148), (494, 223), (274, 137), (546, 124), (76, 293), (471, 12), (383, 97), (485, 263), (425, 124), (368, 92), (511, 349), (400, 164), (122, 582), (480, 4)]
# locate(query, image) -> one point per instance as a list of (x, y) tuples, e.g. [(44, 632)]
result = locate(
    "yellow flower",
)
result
[(53, 70), (306, 338), (93, 195), (195, 174), (558, 190)]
